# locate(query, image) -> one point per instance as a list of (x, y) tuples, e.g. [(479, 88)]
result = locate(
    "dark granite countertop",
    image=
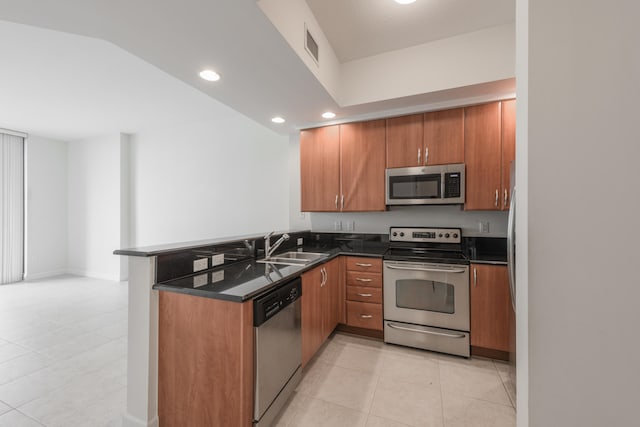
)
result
[(245, 280)]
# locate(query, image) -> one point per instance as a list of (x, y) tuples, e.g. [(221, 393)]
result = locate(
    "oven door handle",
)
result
[(435, 270), (421, 331)]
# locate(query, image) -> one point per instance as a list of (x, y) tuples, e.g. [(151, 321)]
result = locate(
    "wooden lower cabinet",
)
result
[(490, 307), (205, 361), (322, 305), (364, 292)]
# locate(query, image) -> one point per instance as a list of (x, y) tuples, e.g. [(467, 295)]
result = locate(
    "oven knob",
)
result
[(440, 235), (395, 234), (455, 235), (401, 234), (446, 236)]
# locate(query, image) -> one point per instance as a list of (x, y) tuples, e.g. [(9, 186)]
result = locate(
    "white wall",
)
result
[(473, 58), (289, 17), (208, 179), (46, 207), (583, 208), (94, 207)]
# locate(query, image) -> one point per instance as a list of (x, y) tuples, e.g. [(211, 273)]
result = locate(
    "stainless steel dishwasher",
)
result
[(278, 350)]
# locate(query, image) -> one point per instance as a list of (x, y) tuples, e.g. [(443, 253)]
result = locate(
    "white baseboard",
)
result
[(37, 276), (131, 421), (95, 275)]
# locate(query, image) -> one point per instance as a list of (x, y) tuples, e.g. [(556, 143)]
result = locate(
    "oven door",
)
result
[(427, 294)]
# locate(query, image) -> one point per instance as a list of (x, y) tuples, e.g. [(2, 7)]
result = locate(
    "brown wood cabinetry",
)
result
[(342, 168), (405, 141), (362, 158), (508, 148), (320, 169), (490, 307), (433, 138), (322, 305), (489, 146), (364, 292), (205, 372), (444, 137)]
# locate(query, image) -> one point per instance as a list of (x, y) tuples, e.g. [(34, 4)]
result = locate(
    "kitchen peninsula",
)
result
[(191, 348)]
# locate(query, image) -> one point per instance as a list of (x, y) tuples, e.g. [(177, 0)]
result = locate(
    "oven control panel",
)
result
[(423, 234)]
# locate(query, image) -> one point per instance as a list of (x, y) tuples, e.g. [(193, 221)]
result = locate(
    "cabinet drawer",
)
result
[(364, 315), (357, 278), (357, 293), (373, 265)]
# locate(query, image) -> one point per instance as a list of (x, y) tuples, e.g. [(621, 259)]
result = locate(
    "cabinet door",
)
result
[(320, 169), (332, 298), (311, 309), (490, 307), (405, 141), (508, 148), (482, 154), (444, 137), (362, 148)]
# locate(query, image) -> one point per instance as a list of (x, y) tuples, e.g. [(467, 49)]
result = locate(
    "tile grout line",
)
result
[(504, 386)]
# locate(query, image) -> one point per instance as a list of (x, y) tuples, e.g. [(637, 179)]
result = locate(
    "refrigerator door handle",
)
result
[(511, 240)]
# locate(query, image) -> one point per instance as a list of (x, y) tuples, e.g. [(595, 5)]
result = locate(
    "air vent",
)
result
[(310, 44)]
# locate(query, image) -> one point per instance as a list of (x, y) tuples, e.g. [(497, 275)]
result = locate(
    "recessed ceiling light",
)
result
[(328, 115), (210, 75), (277, 119), (405, 1)]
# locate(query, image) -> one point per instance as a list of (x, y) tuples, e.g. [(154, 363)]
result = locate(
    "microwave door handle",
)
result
[(434, 270)]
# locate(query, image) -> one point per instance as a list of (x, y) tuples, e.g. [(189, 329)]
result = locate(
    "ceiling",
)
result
[(360, 28), (137, 64)]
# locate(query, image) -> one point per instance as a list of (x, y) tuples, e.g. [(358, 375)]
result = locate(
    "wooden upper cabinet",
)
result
[(320, 169), (490, 307), (508, 148), (362, 154), (443, 137), (405, 141), (483, 159)]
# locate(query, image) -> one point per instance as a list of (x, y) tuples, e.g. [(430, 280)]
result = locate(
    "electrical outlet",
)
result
[(217, 260), (350, 225), (483, 226), (200, 264), (337, 225), (300, 241)]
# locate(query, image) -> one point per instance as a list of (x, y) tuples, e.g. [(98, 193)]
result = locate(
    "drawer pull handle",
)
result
[(365, 295), (363, 280), (361, 264), (366, 316)]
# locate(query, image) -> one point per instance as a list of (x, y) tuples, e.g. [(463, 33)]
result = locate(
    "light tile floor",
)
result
[(63, 346), (355, 381)]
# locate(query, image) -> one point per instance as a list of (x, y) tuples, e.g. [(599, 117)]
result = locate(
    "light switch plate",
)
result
[(483, 226), (217, 260), (300, 241), (200, 264)]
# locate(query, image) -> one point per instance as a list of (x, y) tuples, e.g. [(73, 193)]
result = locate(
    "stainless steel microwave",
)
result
[(425, 185)]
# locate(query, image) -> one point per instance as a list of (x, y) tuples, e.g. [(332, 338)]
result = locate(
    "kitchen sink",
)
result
[(293, 258)]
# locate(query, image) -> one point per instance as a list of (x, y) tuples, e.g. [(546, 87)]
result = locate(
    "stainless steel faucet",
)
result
[(268, 249)]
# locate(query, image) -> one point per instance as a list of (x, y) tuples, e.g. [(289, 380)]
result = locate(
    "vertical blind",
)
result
[(11, 208)]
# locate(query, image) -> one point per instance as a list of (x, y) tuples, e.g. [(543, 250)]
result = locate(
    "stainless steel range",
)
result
[(426, 290)]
